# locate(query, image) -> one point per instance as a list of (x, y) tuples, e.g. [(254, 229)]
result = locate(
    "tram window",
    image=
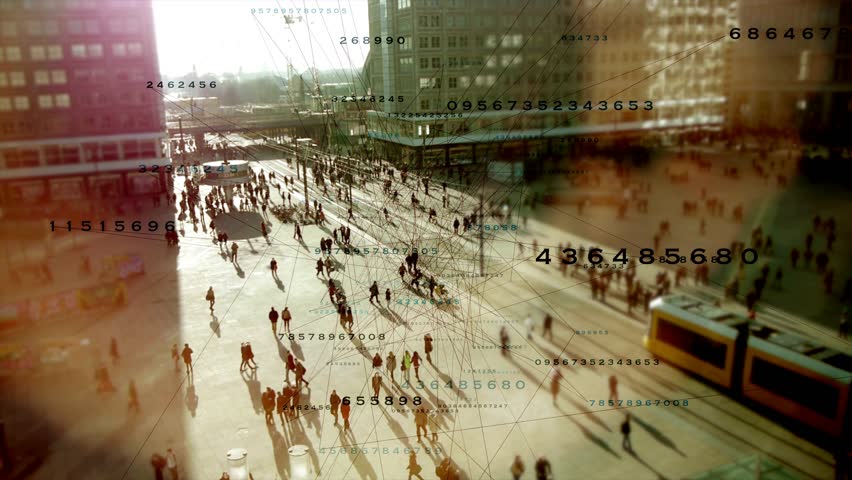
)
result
[(813, 394), (694, 344)]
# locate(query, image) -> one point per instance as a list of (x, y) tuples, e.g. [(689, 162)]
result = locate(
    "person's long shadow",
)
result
[(362, 465), (589, 435), (191, 399), (240, 272), (282, 351), (312, 415), (639, 459), (298, 436), (279, 284), (279, 450), (658, 435), (253, 385), (446, 378), (397, 430), (392, 317), (215, 326), (297, 350)]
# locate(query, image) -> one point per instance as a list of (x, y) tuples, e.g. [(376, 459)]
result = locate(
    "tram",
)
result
[(786, 372)]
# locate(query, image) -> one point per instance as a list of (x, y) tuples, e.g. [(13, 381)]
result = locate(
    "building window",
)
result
[(51, 27), (451, 42), (464, 82), (8, 29), (78, 50), (424, 62), (453, 62), (453, 82), (75, 27), (436, 21), (54, 52), (13, 54), (436, 42), (424, 82), (41, 77), (406, 45), (463, 41), (58, 77), (22, 103), (5, 104), (63, 100), (92, 27), (37, 53), (403, 4), (34, 27), (17, 79), (4, 79), (45, 101), (119, 50), (436, 62), (424, 104), (96, 50), (422, 21)]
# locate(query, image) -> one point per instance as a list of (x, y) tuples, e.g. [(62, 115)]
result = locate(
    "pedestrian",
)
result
[(171, 464), (420, 421), (377, 384), (548, 327), (543, 470), (281, 405), (187, 357), (374, 292), (291, 365), (388, 296), (415, 361), (273, 265), (268, 401), (350, 318), (406, 366), (529, 324), (250, 356), (286, 317), (334, 400), (555, 376), (113, 350), (517, 467), (843, 327), (300, 376), (297, 234), (273, 318), (377, 361), (175, 356), (159, 463), (133, 404), (234, 248), (413, 468), (504, 341), (320, 267), (345, 410), (613, 388), (427, 347), (625, 430), (433, 425), (390, 364), (244, 355), (211, 297)]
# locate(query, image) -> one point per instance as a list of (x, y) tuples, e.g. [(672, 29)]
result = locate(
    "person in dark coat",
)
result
[(625, 430), (273, 318)]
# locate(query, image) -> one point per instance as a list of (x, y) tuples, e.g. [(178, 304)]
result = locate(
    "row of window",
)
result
[(65, 123), (51, 27), (78, 50), (45, 102), (85, 153), (40, 77)]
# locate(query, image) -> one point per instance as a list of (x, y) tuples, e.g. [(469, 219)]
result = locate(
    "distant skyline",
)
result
[(219, 36)]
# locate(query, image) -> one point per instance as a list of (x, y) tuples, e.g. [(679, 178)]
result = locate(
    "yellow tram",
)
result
[(786, 372)]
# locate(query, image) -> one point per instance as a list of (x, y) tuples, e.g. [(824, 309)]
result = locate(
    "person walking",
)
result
[(555, 376), (211, 297), (244, 355), (175, 356), (300, 376), (543, 470), (133, 403), (113, 350), (529, 324), (291, 365), (186, 353), (320, 267), (158, 462), (427, 347), (281, 405), (413, 468), (377, 384), (377, 361), (613, 388), (415, 361), (273, 318), (234, 248), (346, 410), (420, 421), (286, 317), (297, 233), (334, 400), (171, 464), (390, 364), (504, 341), (517, 468), (406, 366), (374, 292), (273, 265), (625, 430), (548, 327), (433, 425), (250, 356), (268, 401), (388, 296)]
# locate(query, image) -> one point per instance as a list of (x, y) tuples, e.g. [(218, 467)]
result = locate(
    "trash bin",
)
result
[(300, 463), (238, 464)]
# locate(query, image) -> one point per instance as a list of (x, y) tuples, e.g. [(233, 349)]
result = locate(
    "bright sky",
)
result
[(223, 35)]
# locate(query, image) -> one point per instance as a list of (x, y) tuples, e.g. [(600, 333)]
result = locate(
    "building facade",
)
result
[(491, 79), (76, 118)]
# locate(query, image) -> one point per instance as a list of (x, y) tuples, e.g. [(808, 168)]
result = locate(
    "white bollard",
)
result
[(238, 464), (300, 463)]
